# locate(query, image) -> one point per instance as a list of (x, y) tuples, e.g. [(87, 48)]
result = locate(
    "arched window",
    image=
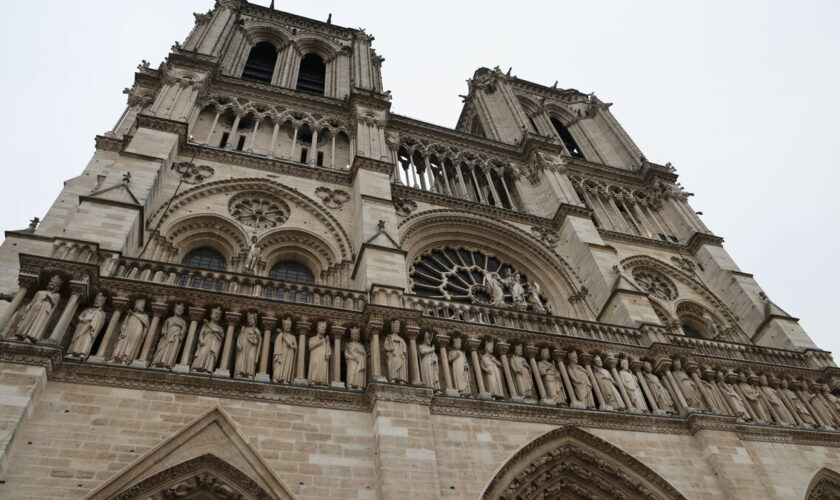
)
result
[(260, 64), (289, 270), (690, 331), (312, 74), (567, 138), (205, 258)]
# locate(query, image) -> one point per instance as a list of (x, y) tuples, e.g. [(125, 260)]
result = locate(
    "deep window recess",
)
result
[(567, 138), (205, 258), (260, 64), (303, 154), (691, 332), (241, 143), (320, 159), (224, 140), (312, 74), (289, 270)]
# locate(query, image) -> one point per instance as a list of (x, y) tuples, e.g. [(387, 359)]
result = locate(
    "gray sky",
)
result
[(740, 96)]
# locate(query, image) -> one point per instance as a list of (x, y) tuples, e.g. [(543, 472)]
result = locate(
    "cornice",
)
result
[(268, 13), (107, 143), (162, 124), (699, 239), (488, 146), (610, 235), (262, 91), (568, 210)]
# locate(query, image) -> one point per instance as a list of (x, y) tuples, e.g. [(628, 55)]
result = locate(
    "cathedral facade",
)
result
[(266, 285)]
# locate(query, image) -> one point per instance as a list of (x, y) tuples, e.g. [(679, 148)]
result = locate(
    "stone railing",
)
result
[(746, 352), (240, 284), (521, 320)]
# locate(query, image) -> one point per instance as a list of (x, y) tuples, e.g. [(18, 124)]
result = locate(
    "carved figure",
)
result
[(821, 407), (775, 403), (429, 372), (38, 311), (754, 399), (492, 369), (517, 291), (460, 368), (735, 401), (285, 347), (609, 388), (247, 348), (658, 391), (551, 377), (631, 385), (830, 402), (521, 373), (831, 398), (497, 292), (319, 356), (396, 356), (209, 342), (354, 358), (131, 334), (717, 404), (804, 415), (534, 300), (252, 258), (580, 381), (711, 324), (171, 335), (90, 321), (689, 389)]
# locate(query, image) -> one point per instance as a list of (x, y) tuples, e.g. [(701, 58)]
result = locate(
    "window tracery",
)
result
[(471, 276), (205, 258), (655, 283), (259, 210)]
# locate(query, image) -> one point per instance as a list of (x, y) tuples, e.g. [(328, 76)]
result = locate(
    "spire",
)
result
[(329, 18), (272, 5)]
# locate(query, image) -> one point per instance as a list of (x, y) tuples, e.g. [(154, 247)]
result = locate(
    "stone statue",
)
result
[(209, 343), (285, 347), (831, 398), (820, 406), (804, 415), (319, 356), (689, 389), (754, 399), (609, 388), (171, 335), (533, 294), (718, 405), (247, 348), (580, 381), (131, 334), (429, 372), (657, 390), (252, 258), (38, 311), (517, 291), (711, 324), (551, 377), (631, 385), (90, 321), (355, 358), (497, 292), (522, 373), (492, 370), (460, 368), (735, 401), (396, 354), (775, 402)]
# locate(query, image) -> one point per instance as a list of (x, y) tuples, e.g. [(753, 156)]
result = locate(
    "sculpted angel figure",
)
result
[(517, 291), (580, 381), (171, 335), (497, 291), (551, 377), (90, 321), (522, 373), (355, 357), (396, 354), (131, 334), (209, 343), (252, 258), (492, 369), (533, 293), (319, 356), (247, 348), (38, 311), (609, 387), (460, 367), (285, 347)]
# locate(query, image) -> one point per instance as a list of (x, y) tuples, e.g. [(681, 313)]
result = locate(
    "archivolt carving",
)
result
[(197, 230), (295, 244), (824, 486), (569, 462), (332, 198), (276, 113)]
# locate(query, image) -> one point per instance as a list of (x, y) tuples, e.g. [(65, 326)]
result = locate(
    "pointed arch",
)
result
[(210, 452), (824, 486), (571, 462)]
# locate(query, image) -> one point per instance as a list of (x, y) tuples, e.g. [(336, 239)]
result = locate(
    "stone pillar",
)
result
[(559, 355), (531, 353), (502, 348), (636, 367), (196, 314), (472, 345), (374, 329), (610, 363), (233, 130), (64, 320), (675, 388), (303, 327), (232, 319), (120, 305), (10, 311), (691, 369), (337, 333), (411, 332), (585, 362), (441, 341), (158, 310), (268, 323)]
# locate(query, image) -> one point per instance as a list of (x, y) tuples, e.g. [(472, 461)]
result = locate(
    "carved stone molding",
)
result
[(332, 198), (404, 206)]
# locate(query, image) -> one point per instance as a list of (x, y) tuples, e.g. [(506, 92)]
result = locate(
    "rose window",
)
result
[(260, 210), (655, 283), (471, 276)]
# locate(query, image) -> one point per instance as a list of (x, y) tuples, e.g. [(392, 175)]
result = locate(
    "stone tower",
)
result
[(265, 284)]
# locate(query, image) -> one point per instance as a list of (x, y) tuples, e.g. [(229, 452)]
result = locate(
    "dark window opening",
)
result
[(691, 332), (224, 140), (312, 74), (567, 138), (319, 160), (533, 124), (205, 258), (241, 143), (260, 64), (289, 270), (303, 154)]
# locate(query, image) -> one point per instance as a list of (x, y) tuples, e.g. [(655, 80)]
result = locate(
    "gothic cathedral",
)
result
[(266, 285)]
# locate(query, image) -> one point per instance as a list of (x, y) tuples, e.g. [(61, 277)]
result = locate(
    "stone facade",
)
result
[(267, 285)]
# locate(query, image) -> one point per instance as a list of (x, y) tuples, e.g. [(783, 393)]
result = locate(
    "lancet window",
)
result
[(260, 64), (312, 74), (567, 138)]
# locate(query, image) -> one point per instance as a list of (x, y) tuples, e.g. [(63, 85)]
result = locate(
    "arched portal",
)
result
[(571, 463), (824, 486)]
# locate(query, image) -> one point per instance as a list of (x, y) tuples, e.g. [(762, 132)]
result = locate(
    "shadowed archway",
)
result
[(824, 486)]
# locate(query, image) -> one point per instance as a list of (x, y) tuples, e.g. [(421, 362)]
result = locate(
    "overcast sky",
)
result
[(742, 97)]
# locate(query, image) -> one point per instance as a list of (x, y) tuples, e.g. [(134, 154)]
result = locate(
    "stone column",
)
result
[(585, 362), (196, 314), (65, 318), (559, 355), (337, 333), (803, 396), (610, 363), (313, 153), (692, 368), (502, 348), (158, 310), (636, 367), (785, 401), (675, 388), (303, 327), (472, 345), (273, 140), (442, 341), (233, 130), (268, 323), (120, 305), (531, 353), (412, 331), (374, 329), (232, 319), (10, 311)]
